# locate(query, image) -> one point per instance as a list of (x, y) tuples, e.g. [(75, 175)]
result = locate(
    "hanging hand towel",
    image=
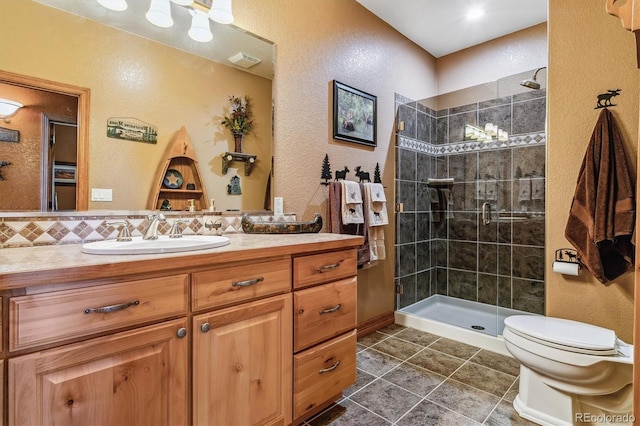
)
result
[(537, 189), (376, 204), (447, 196), (492, 190), (376, 207), (433, 195), (602, 216), (481, 189), (351, 203), (524, 189)]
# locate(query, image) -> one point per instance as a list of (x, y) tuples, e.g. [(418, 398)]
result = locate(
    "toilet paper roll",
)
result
[(566, 268)]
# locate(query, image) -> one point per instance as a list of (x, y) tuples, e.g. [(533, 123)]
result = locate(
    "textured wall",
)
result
[(317, 42), (589, 53), (502, 57)]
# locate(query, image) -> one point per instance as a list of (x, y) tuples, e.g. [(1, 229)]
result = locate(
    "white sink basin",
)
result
[(163, 244)]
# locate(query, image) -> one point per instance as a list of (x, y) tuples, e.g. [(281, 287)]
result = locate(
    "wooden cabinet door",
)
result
[(242, 364), (137, 377)]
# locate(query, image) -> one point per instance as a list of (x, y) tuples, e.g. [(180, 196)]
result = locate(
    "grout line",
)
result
[(446, 378)]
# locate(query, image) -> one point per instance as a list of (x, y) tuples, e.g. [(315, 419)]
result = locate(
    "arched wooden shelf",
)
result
[(179, 156)]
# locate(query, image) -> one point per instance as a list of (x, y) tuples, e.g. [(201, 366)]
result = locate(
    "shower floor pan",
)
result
[(463, 320)]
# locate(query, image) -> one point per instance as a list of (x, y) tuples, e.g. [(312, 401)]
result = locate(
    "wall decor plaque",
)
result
[(9, 135), (131, 129)]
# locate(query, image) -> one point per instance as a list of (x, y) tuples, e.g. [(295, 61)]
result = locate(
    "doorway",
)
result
[(58, 184)]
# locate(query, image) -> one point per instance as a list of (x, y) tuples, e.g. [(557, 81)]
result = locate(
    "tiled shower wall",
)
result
[(452, 252)]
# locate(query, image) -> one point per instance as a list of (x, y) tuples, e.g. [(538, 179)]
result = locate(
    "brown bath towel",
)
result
[(602, 217)]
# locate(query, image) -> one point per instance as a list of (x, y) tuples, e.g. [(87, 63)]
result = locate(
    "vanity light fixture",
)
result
[(117, 5), (200, 30), (221, 12), (8, 108), (159, 13)]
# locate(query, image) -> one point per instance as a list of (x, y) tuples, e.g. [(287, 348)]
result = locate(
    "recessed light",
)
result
[(475, 12)]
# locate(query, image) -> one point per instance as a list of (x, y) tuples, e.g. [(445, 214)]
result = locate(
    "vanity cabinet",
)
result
[(137, 377), (324, 306), (243, 337), (242, 364)]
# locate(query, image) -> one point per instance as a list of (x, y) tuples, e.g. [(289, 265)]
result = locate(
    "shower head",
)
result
[(532, 83)]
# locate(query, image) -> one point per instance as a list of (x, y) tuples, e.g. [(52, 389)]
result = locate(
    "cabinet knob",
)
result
[(205, 327), (182, 332)]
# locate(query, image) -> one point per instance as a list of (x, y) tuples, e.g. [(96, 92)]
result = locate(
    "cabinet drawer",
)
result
[(322, 268), (50, 317), (323, 372), (226, 286), (323, 312)]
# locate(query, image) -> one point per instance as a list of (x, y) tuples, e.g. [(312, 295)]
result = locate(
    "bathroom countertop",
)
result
[(29, 266)]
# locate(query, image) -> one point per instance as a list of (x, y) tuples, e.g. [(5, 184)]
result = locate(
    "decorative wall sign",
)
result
[(131, 129), (9, 135), (354, 115), (234, 186)]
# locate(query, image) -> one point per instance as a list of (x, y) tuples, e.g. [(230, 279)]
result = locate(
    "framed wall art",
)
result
[(354, 115), (64, 173)]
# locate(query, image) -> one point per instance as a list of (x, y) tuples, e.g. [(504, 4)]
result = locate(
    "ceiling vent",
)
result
[(243, 60)]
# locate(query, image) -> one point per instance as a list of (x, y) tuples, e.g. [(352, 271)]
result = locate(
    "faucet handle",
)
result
[(124, 234), (159, 216), (176, 231)]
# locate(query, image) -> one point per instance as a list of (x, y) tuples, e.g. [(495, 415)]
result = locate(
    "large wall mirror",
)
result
[(76, 65)]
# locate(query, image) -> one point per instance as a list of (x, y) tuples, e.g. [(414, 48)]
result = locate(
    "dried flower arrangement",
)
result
[(239, 119)]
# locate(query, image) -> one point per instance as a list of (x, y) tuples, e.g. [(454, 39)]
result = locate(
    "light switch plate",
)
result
[(99, 194), (278, 206)]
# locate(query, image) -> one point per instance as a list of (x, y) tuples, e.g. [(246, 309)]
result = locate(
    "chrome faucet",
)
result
[(151, 233)]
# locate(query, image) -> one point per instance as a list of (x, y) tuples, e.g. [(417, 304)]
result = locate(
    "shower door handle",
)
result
[(486, 213)]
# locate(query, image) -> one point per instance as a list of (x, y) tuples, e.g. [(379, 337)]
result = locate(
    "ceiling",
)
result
[(442, 27), (228, 40)]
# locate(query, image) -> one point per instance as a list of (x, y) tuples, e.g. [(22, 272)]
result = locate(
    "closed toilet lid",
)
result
[(565, 334)]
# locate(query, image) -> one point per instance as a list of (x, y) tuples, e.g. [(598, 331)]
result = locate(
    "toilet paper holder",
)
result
[(567, 255), (567, 262)]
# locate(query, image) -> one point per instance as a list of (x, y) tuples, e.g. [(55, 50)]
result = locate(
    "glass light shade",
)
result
[(221, 11), (490, 129), (8, 107), (117, 5), (159, 13), (183, 2), (200, 30)]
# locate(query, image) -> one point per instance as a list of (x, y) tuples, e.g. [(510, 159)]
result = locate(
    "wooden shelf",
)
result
[(179, 156), (229, 157), (180, 191)]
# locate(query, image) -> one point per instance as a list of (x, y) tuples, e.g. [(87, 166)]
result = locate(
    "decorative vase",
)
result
[(237, 139)]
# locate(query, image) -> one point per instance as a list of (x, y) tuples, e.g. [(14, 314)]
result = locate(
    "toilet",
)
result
[(570, 372)]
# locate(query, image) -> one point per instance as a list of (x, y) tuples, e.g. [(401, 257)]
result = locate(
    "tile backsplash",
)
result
[(49, 229)]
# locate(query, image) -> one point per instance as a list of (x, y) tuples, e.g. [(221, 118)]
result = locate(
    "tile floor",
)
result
[(407, 377)]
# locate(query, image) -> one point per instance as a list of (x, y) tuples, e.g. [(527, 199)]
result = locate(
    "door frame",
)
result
[(83, 95)]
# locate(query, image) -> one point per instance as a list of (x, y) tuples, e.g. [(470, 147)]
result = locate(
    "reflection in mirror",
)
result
[(137, 79), (49, 140)]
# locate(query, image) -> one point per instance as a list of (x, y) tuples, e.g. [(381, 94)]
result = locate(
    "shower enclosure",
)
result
[(470, 180)]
